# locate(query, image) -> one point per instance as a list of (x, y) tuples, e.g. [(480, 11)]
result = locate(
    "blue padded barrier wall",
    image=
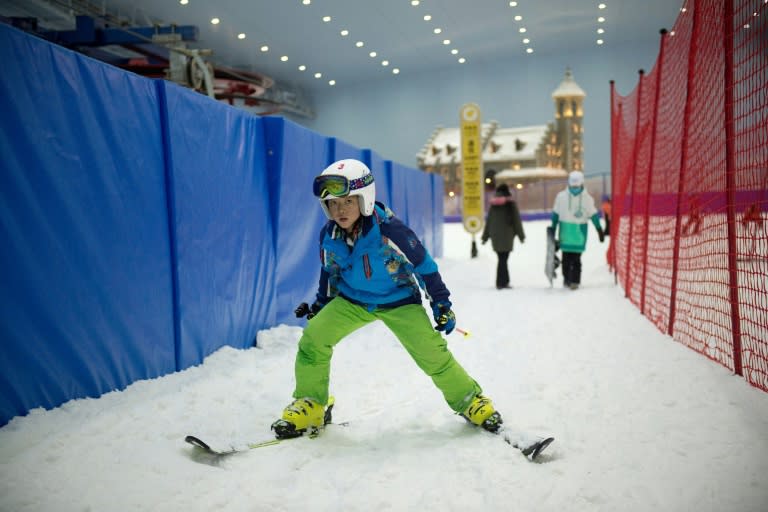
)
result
[(144, 225), (419, 201), (85, 286), (409, 184), (437, 214), (427, 211), (295, 155), (376, 164), (222, 224), (341, 150), (397, 186)]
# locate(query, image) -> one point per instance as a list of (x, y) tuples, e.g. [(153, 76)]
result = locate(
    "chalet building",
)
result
[(516, 155)]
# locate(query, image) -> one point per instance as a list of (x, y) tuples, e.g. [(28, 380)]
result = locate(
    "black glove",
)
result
[(305, 309), (601, 235)]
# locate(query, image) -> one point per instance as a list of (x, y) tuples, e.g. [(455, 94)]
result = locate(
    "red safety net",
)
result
[(689, 148)]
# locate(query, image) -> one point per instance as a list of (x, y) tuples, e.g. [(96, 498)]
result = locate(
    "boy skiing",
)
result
[(573, 208), (372, 268)]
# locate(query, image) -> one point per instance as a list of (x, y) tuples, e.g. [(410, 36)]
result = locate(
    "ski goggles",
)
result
[(338, 186)]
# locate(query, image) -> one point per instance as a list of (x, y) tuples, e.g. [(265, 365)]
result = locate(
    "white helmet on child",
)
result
[(576, 179), (346, 178)]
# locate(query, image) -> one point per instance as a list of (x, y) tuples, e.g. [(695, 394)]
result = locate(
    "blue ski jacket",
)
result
[(385, 267)]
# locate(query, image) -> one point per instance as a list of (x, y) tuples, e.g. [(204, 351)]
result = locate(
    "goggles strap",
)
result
[(361, 182)]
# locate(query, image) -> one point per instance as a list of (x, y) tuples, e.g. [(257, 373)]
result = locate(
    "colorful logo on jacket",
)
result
[(392, 265)]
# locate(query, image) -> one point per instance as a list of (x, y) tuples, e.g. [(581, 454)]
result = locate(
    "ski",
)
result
[(530, 446), (206, 453), (533, 450), (199, 443), (232, 449), (216, 452)]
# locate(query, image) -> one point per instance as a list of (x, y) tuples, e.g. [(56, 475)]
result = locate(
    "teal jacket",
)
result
[(572, 212)]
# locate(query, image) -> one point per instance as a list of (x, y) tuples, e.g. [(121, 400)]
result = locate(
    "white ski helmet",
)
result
[(346, 178), (576, 179)]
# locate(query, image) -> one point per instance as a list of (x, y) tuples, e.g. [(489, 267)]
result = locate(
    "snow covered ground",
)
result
[(641, 422)]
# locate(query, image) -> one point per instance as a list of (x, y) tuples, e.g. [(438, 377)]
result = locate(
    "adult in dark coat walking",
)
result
[(502, 225)]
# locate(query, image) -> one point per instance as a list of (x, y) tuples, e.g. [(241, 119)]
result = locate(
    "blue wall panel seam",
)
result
[(274, 172), (171, 215)]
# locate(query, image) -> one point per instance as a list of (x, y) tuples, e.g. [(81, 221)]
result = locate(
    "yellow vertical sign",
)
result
[(472, 168)]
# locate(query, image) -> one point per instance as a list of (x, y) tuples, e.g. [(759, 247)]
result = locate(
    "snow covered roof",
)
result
[(514, 143), (534, 173), (444, 147), (505, 144), (568, 87)]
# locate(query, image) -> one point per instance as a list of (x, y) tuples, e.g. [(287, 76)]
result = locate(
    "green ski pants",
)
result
[(412, 327)]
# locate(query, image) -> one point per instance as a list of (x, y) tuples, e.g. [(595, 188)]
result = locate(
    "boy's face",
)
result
[(345, 211)]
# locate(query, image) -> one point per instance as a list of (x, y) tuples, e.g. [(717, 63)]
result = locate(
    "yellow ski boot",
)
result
[(481, 413), (302, 415)]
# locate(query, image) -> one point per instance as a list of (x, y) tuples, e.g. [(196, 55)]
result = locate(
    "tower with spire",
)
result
[(569, 128)]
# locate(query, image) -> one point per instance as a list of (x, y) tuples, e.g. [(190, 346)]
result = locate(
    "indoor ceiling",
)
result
[(387, 39)]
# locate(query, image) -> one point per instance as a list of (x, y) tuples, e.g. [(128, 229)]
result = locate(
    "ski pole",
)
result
[(462, 331)]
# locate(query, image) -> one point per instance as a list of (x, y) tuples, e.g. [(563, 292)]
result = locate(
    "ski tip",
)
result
[(194, 441), (328, 418), (539, 447)]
